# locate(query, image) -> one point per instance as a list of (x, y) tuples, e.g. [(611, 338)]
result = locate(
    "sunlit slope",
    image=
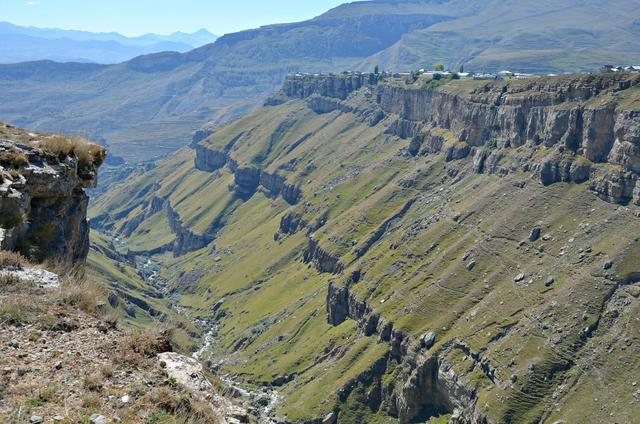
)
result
[(150, 106), (328, 297)]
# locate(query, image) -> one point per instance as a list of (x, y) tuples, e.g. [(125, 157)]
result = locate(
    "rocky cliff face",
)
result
[(431, 387), (43, 200), (248, 179), (186, 240), (571, 126)]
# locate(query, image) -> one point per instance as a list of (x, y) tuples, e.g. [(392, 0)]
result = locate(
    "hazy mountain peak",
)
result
[(21, 44)]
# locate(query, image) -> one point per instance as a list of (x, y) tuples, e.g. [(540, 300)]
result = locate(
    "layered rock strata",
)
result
[(43, 203)]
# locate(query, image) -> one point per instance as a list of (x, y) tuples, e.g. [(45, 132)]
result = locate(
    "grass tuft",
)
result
[(17, 311), (12, 260), (87, 295), (86, 152), (13, 158)]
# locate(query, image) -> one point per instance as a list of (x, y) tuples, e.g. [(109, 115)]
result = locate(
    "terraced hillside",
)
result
[(380, 250)]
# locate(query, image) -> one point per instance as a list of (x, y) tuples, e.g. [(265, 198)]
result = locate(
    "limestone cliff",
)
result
[(569, 127), (43, 202)]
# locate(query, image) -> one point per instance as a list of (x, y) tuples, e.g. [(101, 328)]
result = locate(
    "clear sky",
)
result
[(135, 17)]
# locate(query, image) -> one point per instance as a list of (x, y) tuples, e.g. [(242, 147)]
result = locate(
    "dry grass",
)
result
[(130, 363), (7, 280), (107, 371), (91, 401), (177, 403), (14, 158), (86, 152), (92, 383), (83, 294), (140, 346), (12, 260), (18, 311)]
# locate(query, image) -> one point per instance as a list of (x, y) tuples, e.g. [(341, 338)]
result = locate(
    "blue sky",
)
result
[(135, 17)]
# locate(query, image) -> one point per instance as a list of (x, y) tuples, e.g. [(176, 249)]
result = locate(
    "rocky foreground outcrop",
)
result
[(67, 362), (43, 204), (63, 354)]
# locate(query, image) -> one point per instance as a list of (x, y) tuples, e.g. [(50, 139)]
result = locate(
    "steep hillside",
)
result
[(64, 355), (151, 105), (380, 250)]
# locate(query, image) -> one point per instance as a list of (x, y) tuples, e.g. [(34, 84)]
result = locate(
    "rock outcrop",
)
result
[(209, 160), (248, 179), (336, 86), (431, 386), (323, 260), (572, 125), (189, 373), (186, 240), (43, 204)]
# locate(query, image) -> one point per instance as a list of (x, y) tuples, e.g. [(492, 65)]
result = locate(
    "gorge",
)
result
[(369, 248)]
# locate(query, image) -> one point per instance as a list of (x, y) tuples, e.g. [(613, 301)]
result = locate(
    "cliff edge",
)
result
[(43, 204)]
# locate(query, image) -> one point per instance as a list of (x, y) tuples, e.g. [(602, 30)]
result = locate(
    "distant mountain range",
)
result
[(23, 44), (151, 105)]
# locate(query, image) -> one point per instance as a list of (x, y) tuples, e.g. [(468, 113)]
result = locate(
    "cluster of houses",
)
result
[(611, 68), (502, 75), (474, 75)]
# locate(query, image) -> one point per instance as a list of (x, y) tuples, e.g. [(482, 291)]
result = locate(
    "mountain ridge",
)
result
[(221, 81), (25, 44)]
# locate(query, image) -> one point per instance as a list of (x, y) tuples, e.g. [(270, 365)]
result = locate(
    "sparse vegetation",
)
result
[(62, 147), (85, 294), (13, 158), (138, 346), (172, 402), (92, 383), (95, 371), (91, 401), (18, 311), (12, 260)]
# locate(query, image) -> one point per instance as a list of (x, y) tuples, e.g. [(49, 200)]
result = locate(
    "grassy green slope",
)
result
[(270, 313)]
